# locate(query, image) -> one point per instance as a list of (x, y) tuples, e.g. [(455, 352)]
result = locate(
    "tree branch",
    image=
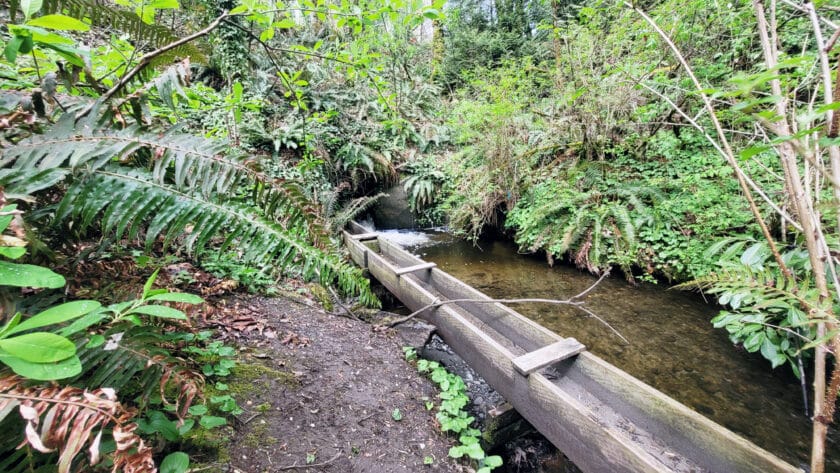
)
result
[(146, 59)]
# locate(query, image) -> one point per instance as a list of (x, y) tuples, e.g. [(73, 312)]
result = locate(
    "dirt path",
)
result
[(322, 393)]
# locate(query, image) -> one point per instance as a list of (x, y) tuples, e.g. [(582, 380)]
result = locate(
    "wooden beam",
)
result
[(365, 236), (547, 355), (416, 267)]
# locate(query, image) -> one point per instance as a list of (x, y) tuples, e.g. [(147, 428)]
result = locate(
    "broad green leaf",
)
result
[(70, 54), (39, 347), (83, 323), (57, 314), (30, 7), (267, 34), (493, 461), (12, 48), (5, 220), (12, 252), (95, 341), (59, 23), (160, 311), (177, 297), (177, 462), (10, 325), (43, 371), (284, 23), (27, 275), (157, 422), (210, 422)]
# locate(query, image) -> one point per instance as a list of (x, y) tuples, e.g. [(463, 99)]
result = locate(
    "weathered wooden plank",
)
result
[(416, 267), (365, 236), (547, 355)]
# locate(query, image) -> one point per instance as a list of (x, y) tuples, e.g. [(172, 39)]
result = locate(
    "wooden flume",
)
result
[(602, 418)]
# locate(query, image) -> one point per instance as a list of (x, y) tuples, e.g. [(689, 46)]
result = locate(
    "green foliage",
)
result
[(451, 414), (768, 311)]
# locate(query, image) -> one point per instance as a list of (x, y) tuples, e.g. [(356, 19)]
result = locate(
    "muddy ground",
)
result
[(323, 392)]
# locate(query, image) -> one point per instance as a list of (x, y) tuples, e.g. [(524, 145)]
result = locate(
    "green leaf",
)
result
[(12, 323), (284, 23), (39, 347), (267, 34), (157, 422), (493, 461), (149, 283), (177, 297), (95, 341), (58, 22), (27, 275), (43, 371), (198, 410), (474, 451), (160, 311), (57, 314), (30, 7), (12, 48), (396, 415), (5, 220), (12, 252), (211, 422), (177, 462)]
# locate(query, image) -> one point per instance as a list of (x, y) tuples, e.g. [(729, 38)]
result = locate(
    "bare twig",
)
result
[(728, 154), (338, 300), (572, 301), (146, 59)]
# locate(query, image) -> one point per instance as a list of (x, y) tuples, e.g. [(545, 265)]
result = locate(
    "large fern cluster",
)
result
[(597, 227), (105, 14), (178, 189)]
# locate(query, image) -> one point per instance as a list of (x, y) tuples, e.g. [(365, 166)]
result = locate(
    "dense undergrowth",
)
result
[(681, 141)]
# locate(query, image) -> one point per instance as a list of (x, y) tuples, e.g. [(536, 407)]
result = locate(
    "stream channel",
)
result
[(673, 346)]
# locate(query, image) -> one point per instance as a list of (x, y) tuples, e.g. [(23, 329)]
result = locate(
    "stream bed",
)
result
[(672, 345)]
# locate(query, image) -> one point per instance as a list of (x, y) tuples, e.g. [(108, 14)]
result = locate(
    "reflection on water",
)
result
[(673, 347)]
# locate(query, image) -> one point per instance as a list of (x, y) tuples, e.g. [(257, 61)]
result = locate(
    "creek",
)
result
[(672, 345)]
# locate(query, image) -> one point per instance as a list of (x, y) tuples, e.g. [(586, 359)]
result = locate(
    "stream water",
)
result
[(672, 346)]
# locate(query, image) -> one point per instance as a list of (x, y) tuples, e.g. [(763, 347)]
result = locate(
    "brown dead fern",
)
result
[(64, 419)]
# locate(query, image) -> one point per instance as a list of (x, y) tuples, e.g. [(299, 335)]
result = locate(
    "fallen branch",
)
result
[(146, 59), (572, 301)]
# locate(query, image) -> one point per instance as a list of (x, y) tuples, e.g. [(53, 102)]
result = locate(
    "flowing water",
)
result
[(672, 346)]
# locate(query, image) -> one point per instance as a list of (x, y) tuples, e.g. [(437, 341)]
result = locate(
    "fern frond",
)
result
[(105, 14), (187, 162), (140, 360), (127, 200), (353, 209), (68, 419), (766, 288)]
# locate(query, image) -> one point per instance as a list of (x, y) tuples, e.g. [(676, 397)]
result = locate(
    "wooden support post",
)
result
[(547, 355), (416, 267)]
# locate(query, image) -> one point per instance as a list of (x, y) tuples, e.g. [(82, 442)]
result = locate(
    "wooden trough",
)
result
[(602, 418)]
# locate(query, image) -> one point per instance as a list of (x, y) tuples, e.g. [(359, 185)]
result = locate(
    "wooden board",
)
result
[(416, 267), (548, 355)]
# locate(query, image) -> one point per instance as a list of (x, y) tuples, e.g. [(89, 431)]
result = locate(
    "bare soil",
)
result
[(324, 393)]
